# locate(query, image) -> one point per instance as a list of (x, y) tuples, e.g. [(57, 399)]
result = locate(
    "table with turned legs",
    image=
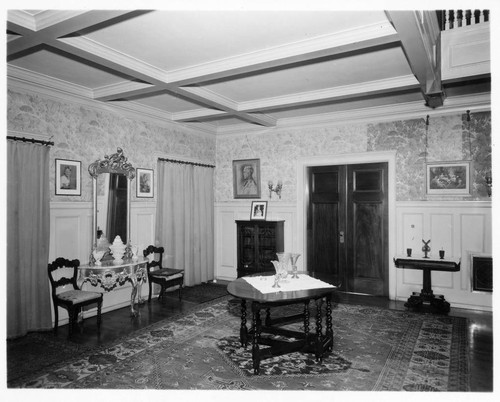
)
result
[(319, 342)]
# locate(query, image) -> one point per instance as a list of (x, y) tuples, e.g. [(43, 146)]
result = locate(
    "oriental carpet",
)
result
[(374, 349)]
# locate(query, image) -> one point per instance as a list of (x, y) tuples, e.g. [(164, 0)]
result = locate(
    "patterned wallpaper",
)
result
[(86, 134), (447, 140)]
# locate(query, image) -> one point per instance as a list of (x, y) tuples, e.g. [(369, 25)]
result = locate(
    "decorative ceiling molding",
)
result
[(332, 94), (405, 111), (216, 89), (65, 91), (325, 46)]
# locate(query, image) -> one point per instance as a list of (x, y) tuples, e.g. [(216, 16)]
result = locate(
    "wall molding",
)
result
[(20, 80)]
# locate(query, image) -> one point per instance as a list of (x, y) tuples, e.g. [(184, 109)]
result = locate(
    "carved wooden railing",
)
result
[(453, 19)]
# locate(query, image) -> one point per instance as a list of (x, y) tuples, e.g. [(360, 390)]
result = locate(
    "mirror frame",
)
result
[(115, 163)]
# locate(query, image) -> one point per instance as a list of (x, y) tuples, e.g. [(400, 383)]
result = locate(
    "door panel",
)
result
[(367, 222), (347, 226), (327, 189)]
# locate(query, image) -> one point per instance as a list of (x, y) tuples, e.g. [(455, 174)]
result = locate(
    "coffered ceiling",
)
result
[(234, 71)]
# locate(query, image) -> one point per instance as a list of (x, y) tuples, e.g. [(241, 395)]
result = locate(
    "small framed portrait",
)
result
[(258, 211), (145, 183), (448, 178), (68, 177), (246, 178)]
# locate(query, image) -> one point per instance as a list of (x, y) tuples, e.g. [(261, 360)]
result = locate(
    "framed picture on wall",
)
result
[(68, 177), (258, 212), (145, 183), (246, 178), (451, 178)]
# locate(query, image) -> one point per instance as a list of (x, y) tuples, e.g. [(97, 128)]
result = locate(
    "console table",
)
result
[(317, 343), (426, 297), (110, 274)]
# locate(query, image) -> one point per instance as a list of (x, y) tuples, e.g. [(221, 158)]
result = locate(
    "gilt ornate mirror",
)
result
[(111, 183)]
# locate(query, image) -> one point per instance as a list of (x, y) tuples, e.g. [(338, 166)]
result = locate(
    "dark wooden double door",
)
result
[(347, 234)]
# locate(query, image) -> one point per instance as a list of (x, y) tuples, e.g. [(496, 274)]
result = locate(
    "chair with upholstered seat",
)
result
[(165, 277), (62, 273)]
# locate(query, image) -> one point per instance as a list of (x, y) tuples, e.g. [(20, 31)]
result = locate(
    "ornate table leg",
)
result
[(133, 280), (243, 327), (319, 331), (268, 317), (306, 320), (329, 323), (142, 279), (255, 339)]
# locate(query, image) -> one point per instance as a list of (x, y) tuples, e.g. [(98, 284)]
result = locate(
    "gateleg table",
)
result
[(318, 343)]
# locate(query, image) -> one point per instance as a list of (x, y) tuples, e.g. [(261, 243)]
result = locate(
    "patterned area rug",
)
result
[(374, 349)]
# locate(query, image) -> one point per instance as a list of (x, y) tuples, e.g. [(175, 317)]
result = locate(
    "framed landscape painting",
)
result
[(451, 178)]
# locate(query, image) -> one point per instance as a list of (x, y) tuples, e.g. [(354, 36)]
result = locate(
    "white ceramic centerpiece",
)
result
[(117, 249)]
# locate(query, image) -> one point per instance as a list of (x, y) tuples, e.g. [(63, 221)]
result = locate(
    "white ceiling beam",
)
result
[(329, 45), (333, 94), (308, 98), (197, 114), (126, 89), (258, 118), (89, 50), (419, 34), (325, 46), (55, 25)]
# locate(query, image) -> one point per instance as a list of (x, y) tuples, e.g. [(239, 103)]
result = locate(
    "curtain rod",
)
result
[(48, 143), (185, 162)]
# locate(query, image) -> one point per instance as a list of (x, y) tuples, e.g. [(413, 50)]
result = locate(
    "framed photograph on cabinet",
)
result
[(258, 211), (145, 183), (448, 178), (68, 177), (246, 178)]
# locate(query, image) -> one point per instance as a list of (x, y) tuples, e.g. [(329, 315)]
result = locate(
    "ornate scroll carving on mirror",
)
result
[(111, 182)]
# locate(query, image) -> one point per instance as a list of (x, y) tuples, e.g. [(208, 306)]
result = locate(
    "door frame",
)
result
[(348, 159)]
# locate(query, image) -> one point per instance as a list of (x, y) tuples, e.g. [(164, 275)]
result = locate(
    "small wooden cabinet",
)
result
[(258, 242)]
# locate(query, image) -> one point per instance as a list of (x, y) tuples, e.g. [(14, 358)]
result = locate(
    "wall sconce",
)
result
[(489, 183), (276, 189)]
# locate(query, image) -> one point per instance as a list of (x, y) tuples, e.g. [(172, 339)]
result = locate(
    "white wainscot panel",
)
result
[(142, 224), (442, 234), (410, 233), (458, 228), (70, 230), (226, 254), (473, 239)]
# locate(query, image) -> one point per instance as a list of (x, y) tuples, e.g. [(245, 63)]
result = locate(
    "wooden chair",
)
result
[(63, 272), (165, 277)]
